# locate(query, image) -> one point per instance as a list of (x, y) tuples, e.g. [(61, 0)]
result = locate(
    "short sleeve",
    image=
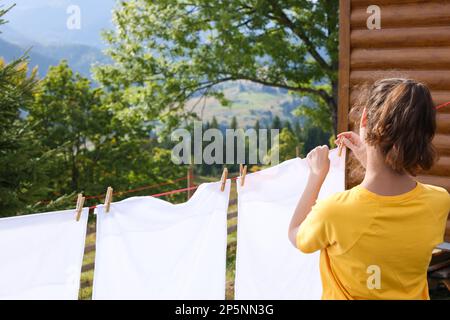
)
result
[(314, 233)]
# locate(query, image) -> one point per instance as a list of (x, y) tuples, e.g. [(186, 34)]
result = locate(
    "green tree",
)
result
[(276, 123), (313, 137), (234, 124), (286, 146), (167, 52), (20, 159), (67, 115), (95, 142), (214, 123)]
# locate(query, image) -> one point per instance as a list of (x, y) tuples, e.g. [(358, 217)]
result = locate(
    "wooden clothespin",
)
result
[(243, 173), (108, 199), (223, 180), (341, 146), (80, 203)]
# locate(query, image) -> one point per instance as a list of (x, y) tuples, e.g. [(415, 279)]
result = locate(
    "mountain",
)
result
[(10, 52), (79, 57), (249, 102)]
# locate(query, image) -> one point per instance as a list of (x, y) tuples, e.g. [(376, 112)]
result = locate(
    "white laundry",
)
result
[(41, 255), (148, 248), (267, 265)]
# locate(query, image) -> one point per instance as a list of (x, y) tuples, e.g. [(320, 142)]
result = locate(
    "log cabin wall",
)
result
[(413, 42)]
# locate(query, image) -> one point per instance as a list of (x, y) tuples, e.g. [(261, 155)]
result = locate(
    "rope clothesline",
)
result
[(442, 105), (157, 195), (139, 189), (131, 190)]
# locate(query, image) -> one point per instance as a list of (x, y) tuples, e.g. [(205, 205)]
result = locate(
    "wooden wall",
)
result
[(414, 42)]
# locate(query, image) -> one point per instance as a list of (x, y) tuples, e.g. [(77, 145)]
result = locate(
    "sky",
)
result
[(45, 21)]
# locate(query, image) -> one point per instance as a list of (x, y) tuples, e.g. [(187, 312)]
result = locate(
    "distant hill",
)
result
[(80, 57), (249, 102)]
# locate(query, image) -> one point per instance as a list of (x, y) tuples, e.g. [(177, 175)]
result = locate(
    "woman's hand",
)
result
[(353, 141), (318, 162)]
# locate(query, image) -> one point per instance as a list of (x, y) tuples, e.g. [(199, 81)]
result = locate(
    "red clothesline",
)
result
[(442, 105), (138, 189), (131, 190), (157, 195)]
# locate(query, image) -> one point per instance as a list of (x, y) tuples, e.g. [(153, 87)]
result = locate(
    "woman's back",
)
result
[(376, 240), (379, 246)]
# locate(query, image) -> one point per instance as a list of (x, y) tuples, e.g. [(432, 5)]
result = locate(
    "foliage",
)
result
[(20, 177), (167, 52)]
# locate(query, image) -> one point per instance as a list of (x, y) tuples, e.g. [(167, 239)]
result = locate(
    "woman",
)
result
[(376, 239)]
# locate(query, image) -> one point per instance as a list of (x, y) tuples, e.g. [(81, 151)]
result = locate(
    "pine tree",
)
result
[(20, 169), (276, 123)]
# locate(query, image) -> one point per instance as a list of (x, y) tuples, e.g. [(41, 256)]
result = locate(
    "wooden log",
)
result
[(417, 14), (437, 58), (439, 96), (443, 182), (442, 143), (443, 122), (360, 3), (434, 79), (401, 37), (441, 168)]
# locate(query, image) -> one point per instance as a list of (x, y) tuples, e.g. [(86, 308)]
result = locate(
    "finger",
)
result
[(363, 122), (348, 144), (345, 133)]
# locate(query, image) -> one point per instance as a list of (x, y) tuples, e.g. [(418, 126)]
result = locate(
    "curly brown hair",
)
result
[(401, 123)]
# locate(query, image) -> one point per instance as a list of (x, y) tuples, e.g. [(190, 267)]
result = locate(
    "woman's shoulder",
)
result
[(437, 196)]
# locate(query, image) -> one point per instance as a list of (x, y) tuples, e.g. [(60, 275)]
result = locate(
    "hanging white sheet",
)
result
[(267, 265), (41, 255), (148, 248)]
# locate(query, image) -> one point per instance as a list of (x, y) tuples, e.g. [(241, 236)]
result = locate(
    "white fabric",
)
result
[(267, 265), (41, 255), (148, 248)]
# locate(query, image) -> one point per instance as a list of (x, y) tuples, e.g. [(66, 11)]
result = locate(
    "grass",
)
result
[(87, 276)]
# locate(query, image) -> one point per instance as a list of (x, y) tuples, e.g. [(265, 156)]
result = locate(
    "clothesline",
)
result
[(157, 195), (131, 190), (442, 105)]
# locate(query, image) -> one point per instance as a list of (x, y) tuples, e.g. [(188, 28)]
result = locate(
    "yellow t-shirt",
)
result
[(376, 247)]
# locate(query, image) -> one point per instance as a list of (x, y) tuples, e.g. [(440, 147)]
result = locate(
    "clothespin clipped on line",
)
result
[(79, 208), (242, 173), (108, 198), (341, 146), (223, 180)]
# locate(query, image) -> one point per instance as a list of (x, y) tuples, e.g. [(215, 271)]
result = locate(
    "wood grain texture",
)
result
[(397, 14), (361, 3), (434, 79), (442, 142), (430, 58), (441, 168), (401, 37)]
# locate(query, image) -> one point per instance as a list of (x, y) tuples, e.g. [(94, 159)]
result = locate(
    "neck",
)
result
[(383, 180)]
